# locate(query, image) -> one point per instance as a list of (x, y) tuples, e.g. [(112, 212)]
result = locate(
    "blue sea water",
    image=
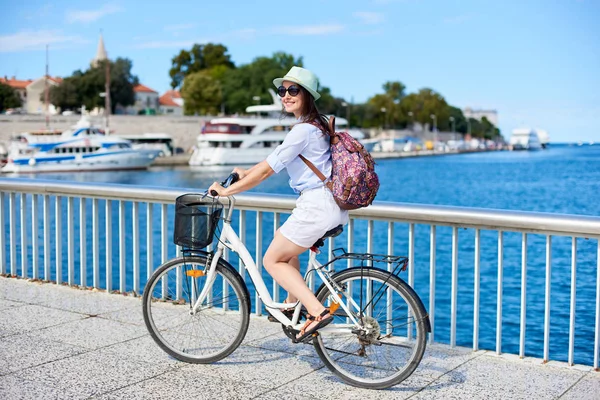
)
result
[(562, 179)]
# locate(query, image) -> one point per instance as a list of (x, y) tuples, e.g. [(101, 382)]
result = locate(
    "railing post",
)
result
[(122, 252), (47, 234), (548, 287), (149, 241), (573, 295), (597, 339), (259, 261), (35, 242), (24, 261), (70, 242), (58, 244), (476, 290), (95, 243), (454, 299), (499, 293), (2, 236), (136, 247), (432, 276), (82, 242), (523, 320), (108, 246)]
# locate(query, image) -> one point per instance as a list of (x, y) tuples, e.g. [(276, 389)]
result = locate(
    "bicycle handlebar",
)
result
[(231, 179)]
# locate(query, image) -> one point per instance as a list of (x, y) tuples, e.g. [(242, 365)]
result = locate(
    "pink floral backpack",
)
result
[(353, 181)]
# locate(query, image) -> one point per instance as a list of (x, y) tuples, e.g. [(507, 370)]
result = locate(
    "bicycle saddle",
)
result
[(330, 233)]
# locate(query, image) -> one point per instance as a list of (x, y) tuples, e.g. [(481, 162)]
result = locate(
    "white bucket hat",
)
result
[(302, 77)]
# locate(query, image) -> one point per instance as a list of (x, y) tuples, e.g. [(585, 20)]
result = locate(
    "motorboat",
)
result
[(162, 142), (240, 140), (81, 148), (525, 139)]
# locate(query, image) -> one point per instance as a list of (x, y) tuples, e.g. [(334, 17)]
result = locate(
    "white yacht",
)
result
[(525, 139), (162, 142), (82, 148), (248, 140)]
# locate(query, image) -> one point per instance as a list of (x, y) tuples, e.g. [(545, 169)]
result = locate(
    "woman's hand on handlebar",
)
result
[(217, 190), (241, 172)]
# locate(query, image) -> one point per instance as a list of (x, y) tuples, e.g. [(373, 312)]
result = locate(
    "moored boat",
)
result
[(250, 139), (82, 148)]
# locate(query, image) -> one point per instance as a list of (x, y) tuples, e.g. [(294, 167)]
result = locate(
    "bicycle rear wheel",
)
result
[(391, 339), (219, 325)]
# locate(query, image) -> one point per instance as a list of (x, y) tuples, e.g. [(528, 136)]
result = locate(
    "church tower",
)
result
[(100, 53)]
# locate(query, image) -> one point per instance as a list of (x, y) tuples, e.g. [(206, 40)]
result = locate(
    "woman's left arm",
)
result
[(254, 177)]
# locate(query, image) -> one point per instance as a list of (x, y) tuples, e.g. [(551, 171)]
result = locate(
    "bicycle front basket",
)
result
[(195, 220)]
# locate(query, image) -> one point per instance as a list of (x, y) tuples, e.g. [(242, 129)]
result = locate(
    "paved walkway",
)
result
[(62, 343)]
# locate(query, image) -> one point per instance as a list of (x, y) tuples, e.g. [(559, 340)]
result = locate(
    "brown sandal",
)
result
[(322, 320)]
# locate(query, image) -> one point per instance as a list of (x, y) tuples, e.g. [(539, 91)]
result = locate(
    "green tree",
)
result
[(66, 95), (84, 88), (385, 110), (9, 98), (242, 84), (198, 58), (460, 122), (202, 94), (426, 103)]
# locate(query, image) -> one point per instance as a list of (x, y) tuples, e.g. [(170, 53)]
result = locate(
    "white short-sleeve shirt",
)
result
[(313, 144)]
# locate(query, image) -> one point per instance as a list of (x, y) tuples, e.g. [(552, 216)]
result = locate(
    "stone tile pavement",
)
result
[(58, 342)]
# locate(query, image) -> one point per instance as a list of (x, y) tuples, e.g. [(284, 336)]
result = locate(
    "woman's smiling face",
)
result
[(292, 104)]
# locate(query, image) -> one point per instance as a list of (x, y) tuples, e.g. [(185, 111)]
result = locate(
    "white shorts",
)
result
[(315, 213)]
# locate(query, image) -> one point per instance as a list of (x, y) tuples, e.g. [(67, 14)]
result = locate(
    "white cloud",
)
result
[(92, 15), (37, 40), (369, 18), (309, 30)]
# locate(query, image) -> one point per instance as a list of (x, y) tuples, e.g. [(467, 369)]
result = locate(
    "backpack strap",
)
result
[(313, 168)]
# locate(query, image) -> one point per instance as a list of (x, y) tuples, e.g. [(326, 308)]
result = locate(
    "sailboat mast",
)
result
[(46, 95), (107, 95)]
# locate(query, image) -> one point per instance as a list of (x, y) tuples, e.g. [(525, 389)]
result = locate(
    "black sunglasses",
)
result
[(292, 90)]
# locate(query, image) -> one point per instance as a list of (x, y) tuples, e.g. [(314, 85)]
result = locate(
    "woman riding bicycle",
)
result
[(316, 211)]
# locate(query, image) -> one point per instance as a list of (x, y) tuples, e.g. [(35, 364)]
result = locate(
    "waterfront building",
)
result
[(171, 103), (146, 101), (30, 91), (491, 115)]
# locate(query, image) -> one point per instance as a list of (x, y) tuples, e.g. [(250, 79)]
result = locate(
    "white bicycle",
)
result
[(197, 306)]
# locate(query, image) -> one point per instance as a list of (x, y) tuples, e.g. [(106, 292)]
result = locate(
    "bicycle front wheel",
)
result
[(390, 339), (218, 326)]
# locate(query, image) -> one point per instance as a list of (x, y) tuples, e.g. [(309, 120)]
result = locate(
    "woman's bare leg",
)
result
[(294, 262), (287, 273)]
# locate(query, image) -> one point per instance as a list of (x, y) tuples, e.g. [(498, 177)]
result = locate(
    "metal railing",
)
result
[(97, 232)]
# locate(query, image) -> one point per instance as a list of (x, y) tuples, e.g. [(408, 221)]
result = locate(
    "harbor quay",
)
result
[(75, 259), (185, 130), (60, 342)]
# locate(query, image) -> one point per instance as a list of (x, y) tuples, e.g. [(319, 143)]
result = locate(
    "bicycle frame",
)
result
[(229, 239)]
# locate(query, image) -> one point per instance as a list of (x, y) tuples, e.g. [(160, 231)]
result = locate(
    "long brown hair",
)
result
[(310, 112)]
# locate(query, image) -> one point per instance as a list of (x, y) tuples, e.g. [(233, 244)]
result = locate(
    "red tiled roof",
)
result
[(15, 83), (143, 88), (173, 93), (167, 98), (18, 84)]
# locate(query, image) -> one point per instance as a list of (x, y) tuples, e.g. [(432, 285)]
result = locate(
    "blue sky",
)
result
[(536, 62)]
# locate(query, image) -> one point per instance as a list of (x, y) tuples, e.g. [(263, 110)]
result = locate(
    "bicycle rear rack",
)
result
[(367, 259)]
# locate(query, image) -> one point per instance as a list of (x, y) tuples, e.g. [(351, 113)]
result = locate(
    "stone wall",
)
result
[(184, 129)]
